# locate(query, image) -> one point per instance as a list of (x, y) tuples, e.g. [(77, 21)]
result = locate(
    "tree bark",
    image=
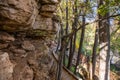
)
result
[(74, 26), (66, 17), (94, 52), (70, 54), (104, 42), (81, 43), (60, 62)]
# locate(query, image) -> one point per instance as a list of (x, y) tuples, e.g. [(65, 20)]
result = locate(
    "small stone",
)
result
[(56, 27), (27, 74), (21, 51), (49, 8), (114, 59), (117, 64), (6, 37), (32, 62), (47, 14), (6, 67), (2, 46), (50, 1), (28, 46)]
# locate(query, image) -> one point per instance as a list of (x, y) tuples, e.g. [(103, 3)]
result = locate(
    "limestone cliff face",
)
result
[(27, 29), (20, 15)]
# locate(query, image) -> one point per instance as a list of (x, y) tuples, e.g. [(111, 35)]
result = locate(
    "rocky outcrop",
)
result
[(27, 29), (17, 14), (21, 15), (28, 59)]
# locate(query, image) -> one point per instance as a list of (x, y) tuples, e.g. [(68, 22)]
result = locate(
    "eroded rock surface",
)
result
[(28, 59), (17, 14), (27, 30), (6, 67), (21, 15)]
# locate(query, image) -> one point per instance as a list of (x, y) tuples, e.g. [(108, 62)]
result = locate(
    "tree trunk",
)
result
[(81, 43), (94, 52), (104, 46), (74, 26), (66, 17), (60, 62), (70, 54)]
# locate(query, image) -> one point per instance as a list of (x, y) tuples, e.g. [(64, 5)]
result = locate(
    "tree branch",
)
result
[(75, 30)]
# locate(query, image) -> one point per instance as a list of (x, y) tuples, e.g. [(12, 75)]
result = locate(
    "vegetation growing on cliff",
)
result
[(92, 29)]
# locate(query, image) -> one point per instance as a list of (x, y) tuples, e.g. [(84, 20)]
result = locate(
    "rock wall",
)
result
[(27, 30), (21, 15)]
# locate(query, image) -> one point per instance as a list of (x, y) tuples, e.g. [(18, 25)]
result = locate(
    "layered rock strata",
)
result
[(27, 29)]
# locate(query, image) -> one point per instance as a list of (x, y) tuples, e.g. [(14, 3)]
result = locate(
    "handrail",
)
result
[(68, 71)]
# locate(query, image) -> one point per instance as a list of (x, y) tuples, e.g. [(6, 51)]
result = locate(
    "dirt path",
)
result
[(66, 74)]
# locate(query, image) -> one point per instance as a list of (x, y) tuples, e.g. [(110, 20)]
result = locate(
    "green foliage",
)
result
[(72, 69), (115, 40), (115, 43), (112, 68), (103, 10), (109, 6), (66, 61)]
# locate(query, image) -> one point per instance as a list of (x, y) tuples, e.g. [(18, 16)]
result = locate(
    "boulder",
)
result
[(46, 24), (47, 10), (6, 67), (43, 23)]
